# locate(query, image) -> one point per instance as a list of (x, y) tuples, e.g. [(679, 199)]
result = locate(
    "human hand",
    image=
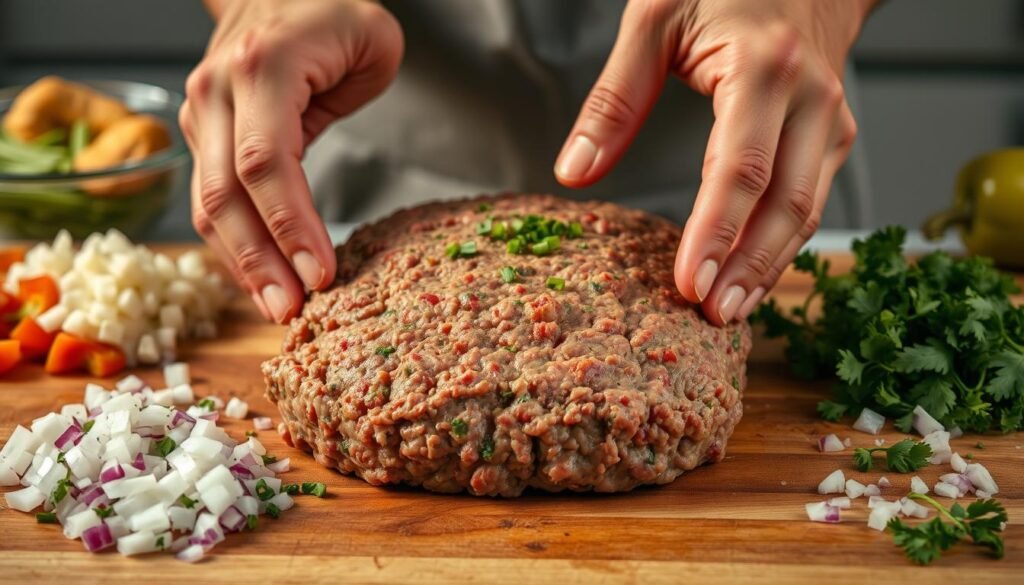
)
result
[(782, 129), (274, 75)]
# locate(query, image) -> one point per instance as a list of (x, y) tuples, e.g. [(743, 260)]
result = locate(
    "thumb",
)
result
[(619, 102)]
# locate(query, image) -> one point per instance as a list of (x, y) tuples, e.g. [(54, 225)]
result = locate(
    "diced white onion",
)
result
[(957, 463), (236, 408), (884, 482), (176, 374), (872, 490), (939, 442), (946, 490), (869, 422), (833, 484), (924, 423), (830, 443), (981, 478), (854, 489), (918, 486), (262, 423)]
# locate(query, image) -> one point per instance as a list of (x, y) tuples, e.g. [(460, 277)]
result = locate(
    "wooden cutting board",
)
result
[(741, 520)]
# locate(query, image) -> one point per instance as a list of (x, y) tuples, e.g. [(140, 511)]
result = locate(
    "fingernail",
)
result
[(750, 304), (730, 302), (309, 269), (578, 159), (258, 301), (276, 301), (704, 278)]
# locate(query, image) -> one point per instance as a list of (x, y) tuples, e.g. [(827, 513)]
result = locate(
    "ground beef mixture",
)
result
[(442, 360)]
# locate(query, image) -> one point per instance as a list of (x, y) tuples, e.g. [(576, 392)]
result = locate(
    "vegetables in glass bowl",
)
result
[(67, 176)]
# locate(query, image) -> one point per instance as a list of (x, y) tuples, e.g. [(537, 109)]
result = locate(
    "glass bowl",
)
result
[(38, 206)]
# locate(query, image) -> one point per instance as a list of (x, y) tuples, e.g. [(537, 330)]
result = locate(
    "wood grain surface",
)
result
[(741, 520)]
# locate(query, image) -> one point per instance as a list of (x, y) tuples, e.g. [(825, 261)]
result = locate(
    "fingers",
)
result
[(737, 170), (843, 136), (268, 145), (621, 99), (225, 208), (783, 210)]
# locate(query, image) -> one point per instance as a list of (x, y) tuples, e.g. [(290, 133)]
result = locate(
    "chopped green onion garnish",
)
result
[(467, 249), (498, 231), (165, 445), (508, 274), (555, 283), (263, 491), (46, 517), (452, 250), (386, 350), (104, 511), (61, 491), (575, 229), (314, 488), (187, 502), (515, 246), (207, 403), (484, 228), (273, 511), (290, 488), (252, 521), (459, 427), (268, 459)]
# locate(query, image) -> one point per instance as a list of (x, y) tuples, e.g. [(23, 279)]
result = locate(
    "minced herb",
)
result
[(46, 517), (459, 427), (314, 488), (187, 502), (273, 511), (556, 283), (385, 350), (291, 489), (103, 511), (252, 521), (487, 448), (508, 274), (164, 446), (263, 491)]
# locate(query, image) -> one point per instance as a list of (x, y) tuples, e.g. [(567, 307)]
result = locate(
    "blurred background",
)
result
[(938, 82)]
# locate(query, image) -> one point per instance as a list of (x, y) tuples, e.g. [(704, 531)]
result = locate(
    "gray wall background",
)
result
[(939, 81)]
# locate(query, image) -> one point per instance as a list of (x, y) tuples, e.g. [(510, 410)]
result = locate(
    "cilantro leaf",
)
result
[(923, 358), (902, 457), (941, 333), (1009, 378), (982, 521)]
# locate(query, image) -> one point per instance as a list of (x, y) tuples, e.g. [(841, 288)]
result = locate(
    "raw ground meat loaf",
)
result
[(422, 369)]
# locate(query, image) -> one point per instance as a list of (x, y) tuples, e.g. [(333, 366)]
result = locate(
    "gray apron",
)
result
[(487, 93)]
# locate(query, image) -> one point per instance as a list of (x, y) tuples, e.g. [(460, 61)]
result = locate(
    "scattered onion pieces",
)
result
[(830, 444), (833, 484), (925, 423), (262, 423), (869, 422), (822, 512), (127, 470)]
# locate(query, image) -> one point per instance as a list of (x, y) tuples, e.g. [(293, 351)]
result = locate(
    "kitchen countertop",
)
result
[(741, 520)]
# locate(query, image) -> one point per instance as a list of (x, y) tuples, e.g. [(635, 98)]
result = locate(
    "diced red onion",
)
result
[(149, 432), (210, 416), (232, 520), (829, 444), (869, 422), (822, 512), (962, 483), (70, 435), (89, 495), (179, 418), (111, 473), (97, 538), (239, 470), (139, 463)]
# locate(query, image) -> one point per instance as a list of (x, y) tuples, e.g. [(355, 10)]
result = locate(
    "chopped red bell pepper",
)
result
[(68, 354), (9, 255), (105, 360), (37, 294), (34, 341), (8, 304), (10, 354)]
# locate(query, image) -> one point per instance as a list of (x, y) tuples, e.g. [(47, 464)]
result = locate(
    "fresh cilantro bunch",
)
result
[(941, 333), (983, 520), (902, 457)]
